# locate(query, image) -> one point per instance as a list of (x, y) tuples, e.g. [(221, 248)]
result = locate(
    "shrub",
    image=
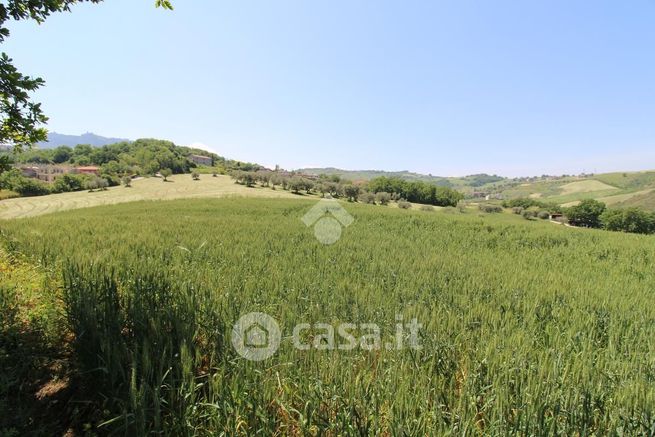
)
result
[(69, 182), (96, 183), (428, 208), (195, 176), (13, 180), (367, 197), (529, 214), (383, 198), (127, 181), (490, 209), (543, 215), (8, 194), (403, 204), (518, 210)]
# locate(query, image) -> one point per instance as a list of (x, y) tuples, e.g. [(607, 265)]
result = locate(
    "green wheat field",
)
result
[(528, 328)]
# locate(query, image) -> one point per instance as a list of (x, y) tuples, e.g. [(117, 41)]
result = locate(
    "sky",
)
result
[(449, 88)]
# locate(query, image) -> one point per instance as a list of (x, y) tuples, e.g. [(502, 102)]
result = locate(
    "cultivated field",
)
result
[(528, 328), (586, 186), (178, 187), (614, 189)]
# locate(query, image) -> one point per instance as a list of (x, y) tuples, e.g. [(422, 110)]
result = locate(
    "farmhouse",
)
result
[(87, 170), (46, 173), (201, 160)]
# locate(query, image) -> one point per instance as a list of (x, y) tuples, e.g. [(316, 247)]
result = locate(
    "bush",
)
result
[(195, 176), (428, 208), (490, 209), (69, 182), (97, 183), (543, 215), (127, 181), (8, 194), (367, 197), (383, 198), (403, 204), (529, 214), (518, 210), (13, 180)]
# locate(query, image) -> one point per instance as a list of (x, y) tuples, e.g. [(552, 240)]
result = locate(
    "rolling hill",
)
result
[(614, 189), (471, 181)]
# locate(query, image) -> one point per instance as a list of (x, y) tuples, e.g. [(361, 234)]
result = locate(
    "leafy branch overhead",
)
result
[(21, 120)]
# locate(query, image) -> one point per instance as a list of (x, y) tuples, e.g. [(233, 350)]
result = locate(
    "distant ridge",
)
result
[(365, 175), (55, 140)]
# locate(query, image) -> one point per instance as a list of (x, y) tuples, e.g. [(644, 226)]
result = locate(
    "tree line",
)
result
[(590, 213), (380, 190)]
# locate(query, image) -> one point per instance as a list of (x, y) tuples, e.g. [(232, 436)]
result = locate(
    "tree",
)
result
[(308, 185), (296, 184), (586, 214), (20, 118), (165, 172), (61, 154), (5, 163), (351, 192), (632, 220), (383, 197), (69, 182)]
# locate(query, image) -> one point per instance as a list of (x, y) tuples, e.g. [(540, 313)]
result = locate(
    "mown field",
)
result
[(528, 328), (152, 188)]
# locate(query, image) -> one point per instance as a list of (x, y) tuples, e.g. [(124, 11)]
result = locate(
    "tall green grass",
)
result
[(528, 328)]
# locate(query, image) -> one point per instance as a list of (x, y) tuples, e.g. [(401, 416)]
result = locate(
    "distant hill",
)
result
[(55, 140), (365, 175), (614, 189)]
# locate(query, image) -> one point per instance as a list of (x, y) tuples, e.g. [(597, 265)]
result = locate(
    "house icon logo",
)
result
[(328, 218), (256, 336)]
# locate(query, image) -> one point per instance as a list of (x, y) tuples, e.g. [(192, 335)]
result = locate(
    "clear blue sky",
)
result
[(448, 88)]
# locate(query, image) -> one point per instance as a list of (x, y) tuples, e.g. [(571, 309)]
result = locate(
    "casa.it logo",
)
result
[(328, 218), (256, 336)]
